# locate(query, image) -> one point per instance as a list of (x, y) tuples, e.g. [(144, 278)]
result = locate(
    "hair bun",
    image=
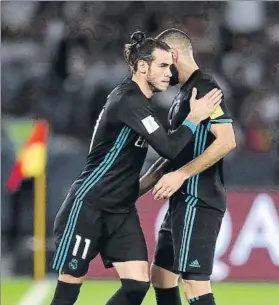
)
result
[(138, 36)]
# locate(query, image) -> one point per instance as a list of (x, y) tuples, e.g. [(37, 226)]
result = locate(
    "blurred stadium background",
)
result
[(59, 60)]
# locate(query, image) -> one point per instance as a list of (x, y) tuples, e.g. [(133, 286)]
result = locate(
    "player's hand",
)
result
[(168, 185), (203, 107)]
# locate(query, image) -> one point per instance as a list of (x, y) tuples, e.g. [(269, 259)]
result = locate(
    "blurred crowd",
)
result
[(61, 59)]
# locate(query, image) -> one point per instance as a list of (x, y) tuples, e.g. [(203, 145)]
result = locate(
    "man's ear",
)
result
[(174, 55), (142, 66)]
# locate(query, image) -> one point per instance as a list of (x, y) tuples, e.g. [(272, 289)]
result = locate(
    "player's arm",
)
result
[(154, 173), (222, 145), (139, 116), (224, 142), (221, 127)]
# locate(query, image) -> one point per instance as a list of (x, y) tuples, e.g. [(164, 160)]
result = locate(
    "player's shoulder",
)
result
[(130, 93), (206, 81), (201, 80), (120, 89), (120, 93)]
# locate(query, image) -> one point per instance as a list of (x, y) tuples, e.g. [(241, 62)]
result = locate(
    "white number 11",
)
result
[(77, 244)]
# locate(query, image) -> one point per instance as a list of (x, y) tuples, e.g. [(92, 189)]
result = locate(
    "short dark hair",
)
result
[(141, 49), (176, 35)]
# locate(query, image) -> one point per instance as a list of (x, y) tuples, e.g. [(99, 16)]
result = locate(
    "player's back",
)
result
[(110, 179), (209, 184)]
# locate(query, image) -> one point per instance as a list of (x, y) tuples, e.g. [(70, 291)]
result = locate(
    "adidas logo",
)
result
[(195, 264)]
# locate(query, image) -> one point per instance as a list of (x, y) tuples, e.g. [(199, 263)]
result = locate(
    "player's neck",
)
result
[(186, 70), (143, 85)]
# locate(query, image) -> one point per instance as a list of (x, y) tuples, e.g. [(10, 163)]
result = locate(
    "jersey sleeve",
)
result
[(139, 116), (221, 113)]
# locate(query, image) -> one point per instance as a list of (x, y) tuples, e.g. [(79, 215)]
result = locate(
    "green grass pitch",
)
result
[(98, 292)]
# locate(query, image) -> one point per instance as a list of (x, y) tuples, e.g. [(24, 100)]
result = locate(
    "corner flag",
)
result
[(31, 161)]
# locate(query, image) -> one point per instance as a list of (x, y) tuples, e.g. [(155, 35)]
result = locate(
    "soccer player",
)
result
[(99, 213), (188, 234)]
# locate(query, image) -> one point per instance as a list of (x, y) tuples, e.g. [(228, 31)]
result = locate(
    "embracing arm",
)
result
[(137, 113), (154, 173)]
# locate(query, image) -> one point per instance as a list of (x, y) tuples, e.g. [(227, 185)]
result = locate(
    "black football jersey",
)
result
[(125, 127), (209, 184)]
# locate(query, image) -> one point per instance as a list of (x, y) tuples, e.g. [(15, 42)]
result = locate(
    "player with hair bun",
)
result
[(99, 215)]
